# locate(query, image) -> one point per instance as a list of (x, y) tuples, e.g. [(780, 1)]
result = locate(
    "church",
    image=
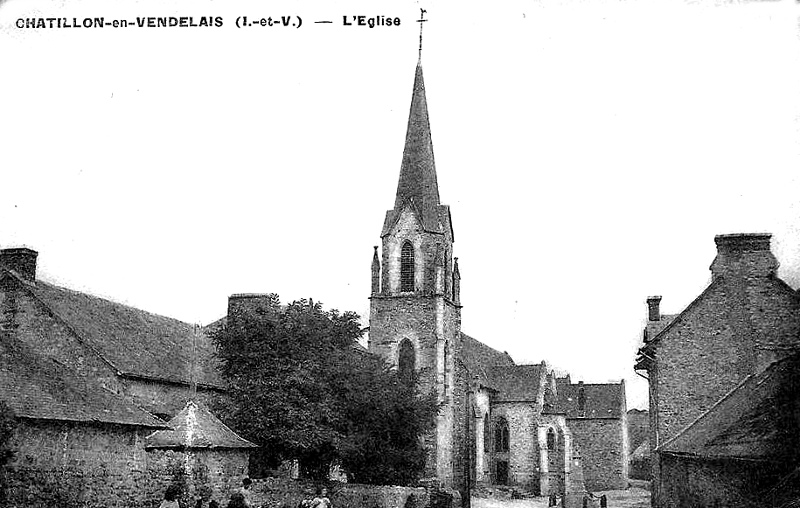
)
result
[(74, 364), (501, 423)]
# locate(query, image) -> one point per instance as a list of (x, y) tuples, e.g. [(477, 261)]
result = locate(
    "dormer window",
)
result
[(407, 268)]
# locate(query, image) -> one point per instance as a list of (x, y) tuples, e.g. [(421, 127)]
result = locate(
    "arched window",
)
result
[(501, 435), (446, 369), (551, 439), (406, 361), (487, 433), (407, 268)]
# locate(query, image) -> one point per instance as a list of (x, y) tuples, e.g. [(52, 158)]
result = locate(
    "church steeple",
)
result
[(418, 170), (417, 184)]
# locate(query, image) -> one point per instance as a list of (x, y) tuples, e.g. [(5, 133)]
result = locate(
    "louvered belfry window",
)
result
[(407, 268)]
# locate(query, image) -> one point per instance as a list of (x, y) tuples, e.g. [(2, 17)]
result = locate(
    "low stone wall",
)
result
[(288, 493), (75, 465), (72, 465)]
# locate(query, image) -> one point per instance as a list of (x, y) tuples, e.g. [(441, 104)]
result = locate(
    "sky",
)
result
[(589, 151)]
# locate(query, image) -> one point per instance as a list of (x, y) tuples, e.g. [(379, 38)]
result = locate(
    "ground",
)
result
[(634, 497)]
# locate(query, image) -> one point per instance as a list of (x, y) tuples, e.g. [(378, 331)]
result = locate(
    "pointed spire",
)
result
[(417, 182), (376, 273)]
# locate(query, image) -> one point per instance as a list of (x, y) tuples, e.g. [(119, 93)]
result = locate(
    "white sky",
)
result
[(589, 151)]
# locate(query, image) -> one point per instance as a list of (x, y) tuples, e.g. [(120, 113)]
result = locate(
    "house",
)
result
[(734, 335), (88, 380)]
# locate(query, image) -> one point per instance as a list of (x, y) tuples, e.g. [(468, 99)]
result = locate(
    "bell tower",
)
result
[(415, 311)]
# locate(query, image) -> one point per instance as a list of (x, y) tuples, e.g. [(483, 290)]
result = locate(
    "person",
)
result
[(171, 497), (246, 492), (321, 500), (603, 501)]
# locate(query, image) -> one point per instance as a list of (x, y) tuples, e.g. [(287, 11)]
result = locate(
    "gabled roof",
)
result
[(196, 427), (600, 400), (741, 298), (517, 383), (757, 420), (653, 338), (38, 387), (480, 358), (135, 342)]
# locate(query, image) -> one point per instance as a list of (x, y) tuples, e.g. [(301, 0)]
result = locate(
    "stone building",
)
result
[(501, 423), (638, 444), (732, 337), (211, 457), (148, 359), (88, 380)]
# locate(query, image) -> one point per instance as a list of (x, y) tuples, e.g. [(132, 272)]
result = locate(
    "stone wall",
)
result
[(210, 474), (284, 492), (712, 484), (167, 399), (78, 465), (523, 457), (91, 466), (605, 461), (713, 347)]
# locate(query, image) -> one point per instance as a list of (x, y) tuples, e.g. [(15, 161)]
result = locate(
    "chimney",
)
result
[(744, 255), (654, 308), (244, 307), (22, 260)]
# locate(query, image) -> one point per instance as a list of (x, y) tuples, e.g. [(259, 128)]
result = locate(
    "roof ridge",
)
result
[(114, 302), (72, 330)]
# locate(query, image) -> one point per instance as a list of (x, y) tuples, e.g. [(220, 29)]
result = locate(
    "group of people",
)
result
[(242, 498)]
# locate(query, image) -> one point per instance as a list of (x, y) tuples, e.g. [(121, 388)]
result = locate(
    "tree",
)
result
[(300, 389)]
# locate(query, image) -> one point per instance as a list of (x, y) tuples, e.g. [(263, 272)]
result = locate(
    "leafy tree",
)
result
[(301, 390)]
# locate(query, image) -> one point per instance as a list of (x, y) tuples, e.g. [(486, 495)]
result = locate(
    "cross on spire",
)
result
[(421, 20)]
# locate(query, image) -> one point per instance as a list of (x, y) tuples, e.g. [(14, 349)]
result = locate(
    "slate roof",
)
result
[(480, 358), (38, 387), (517, 383), (196, 427), (757, 420), (135, 342), (417, 186), (601, 400)]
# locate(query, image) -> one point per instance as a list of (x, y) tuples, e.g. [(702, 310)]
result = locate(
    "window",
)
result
[(406, 361), (581, 399), (501, 435), (487, 433), (551, 440), (407, 268)]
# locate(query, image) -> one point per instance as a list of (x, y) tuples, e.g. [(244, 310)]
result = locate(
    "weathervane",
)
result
[(421, 20)]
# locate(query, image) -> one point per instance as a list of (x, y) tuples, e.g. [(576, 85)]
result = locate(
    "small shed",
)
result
[(200, 454)]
